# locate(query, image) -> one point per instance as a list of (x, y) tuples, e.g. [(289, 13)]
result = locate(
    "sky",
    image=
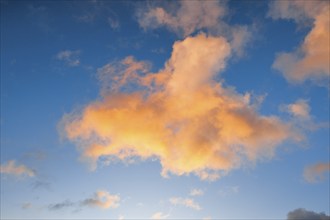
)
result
[(165, 109)]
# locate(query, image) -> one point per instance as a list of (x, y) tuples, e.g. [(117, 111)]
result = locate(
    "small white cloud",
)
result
[(190, 203), (17, 170), (114, 23), (70, 57), (196, 192), (159, 215)]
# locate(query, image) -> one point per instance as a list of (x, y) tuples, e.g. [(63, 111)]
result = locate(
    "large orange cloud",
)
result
[(311, 59), (179, 115)]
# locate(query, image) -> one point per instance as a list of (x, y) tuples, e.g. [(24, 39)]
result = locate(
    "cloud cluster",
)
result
[(70, 57), (315, 173), (16, 170), (311, 59), (303, 214), (179, 115), (187, 202)]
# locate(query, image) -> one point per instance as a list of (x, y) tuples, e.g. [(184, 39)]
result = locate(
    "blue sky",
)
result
[(173, 109)]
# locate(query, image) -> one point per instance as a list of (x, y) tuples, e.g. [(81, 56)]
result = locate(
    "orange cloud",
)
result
[(102, 199), (187, 17), (299, 109), (311, 59), (315, 173), (17, 170), (179, 115)]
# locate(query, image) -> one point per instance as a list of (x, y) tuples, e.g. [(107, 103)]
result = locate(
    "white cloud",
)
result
[(159, 215), (196, 192), (17, 170), (187, 202)]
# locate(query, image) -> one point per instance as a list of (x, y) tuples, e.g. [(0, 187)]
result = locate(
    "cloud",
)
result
[(190, 203), (102, 199), (61, 205), (311, 59), (187, 17), (303, 214), (159, 215), (26, 205), (299, 109), (16, 170), (179, 115), (70, 57), (196, 192), (315, 173)]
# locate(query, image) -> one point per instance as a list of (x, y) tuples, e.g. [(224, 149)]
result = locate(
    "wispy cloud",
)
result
[(179, 115), (187, 202), (188, 17), (61, 205), (315, 173), (196, 192), (303, 214), (159, 215), (70, 57), (102, 199), (26, 205), (311, 59), (12, 168)]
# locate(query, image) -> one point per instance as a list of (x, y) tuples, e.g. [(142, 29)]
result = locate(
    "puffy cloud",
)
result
[(102, 199), (17, 170), (315, 173), (311, 59), (70, 57), (190, 203), (303, 214), (159, 215), (187, 17), (178, 115), (299, 109), (196, 192)]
